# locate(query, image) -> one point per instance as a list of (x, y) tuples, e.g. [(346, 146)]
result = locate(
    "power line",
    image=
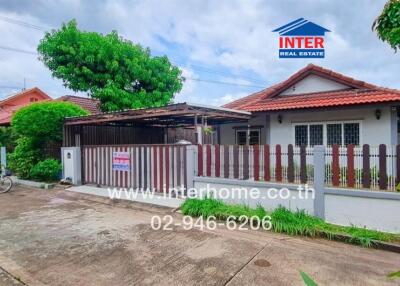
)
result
[(223, 82), (18, 50), (189, 78), (22, 23), (10, 87), (174, 61)]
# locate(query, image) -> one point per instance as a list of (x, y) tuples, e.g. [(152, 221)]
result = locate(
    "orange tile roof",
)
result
[(359, 92), (90, 104)]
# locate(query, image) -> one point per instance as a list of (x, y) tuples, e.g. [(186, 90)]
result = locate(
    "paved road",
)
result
[(62, 238)]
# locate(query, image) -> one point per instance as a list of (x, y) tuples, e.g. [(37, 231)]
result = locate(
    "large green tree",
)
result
[(117, 72), (387, 25)]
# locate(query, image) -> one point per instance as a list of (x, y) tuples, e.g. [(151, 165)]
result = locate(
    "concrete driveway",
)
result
[(63, 238)]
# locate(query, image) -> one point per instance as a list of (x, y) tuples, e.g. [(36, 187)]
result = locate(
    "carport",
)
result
[(137, 148), (195, 123)]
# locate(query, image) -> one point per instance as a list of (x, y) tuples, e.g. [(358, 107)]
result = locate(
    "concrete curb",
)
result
[(29, 183), (376, 244)]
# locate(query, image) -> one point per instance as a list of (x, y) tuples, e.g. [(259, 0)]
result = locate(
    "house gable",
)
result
[(314, 83)]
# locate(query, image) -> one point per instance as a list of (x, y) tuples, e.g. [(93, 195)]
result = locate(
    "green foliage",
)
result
[(307, 279), (43, 121), (46, 171), (211, 207), (387, 25), (286, 221), (119, 73), (24, 157), (394, 275), (295, 223), (7, 138)]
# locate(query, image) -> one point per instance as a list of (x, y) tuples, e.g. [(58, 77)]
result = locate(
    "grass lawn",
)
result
[(286, 221)]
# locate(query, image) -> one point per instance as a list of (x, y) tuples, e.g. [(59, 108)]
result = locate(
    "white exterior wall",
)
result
[(313, 83), (372, 131), (238, 192), (379, 214), (228, 131)]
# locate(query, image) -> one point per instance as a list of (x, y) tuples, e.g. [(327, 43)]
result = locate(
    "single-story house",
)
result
[(12, 103), (317, 106)]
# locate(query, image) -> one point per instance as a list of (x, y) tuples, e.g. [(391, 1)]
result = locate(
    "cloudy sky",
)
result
[(225, 47)]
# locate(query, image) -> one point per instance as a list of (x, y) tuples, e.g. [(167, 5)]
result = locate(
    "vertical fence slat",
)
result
[(256, 164), (366, 171), (335, 166), (226, 161), (397, 165), (303, 164), (267, 172), (350, 166), (236, 161), (245, 162), (290, 170), (278, 163), (167, 168), (200, 160), (382, 167), (208, 159), (217, 161)]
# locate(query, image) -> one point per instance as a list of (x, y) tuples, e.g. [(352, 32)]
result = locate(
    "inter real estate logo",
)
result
[(301, 39)]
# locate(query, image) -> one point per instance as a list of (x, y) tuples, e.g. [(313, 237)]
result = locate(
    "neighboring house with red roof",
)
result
[(90, 104), (11, 104), (317, 106)]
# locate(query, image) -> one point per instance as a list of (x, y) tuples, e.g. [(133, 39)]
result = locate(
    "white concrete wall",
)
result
[(373, 210), (228, 130), (372, 213), (373, 131), (294, 202), (313, 83)]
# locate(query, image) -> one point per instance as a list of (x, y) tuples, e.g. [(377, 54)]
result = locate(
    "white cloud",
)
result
[(228, 98), (231, 36)]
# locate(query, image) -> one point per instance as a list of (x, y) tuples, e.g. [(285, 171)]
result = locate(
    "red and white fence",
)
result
[(156, 167), (365, 167), (256, 162)]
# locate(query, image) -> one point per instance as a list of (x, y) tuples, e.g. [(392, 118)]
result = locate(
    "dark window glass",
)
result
[(316, 135), (241, 137), (334, 134), (254, 137), (351, 133), (301, 135)]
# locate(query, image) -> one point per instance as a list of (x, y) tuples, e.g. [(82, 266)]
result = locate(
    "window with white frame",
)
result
[(241, 137), (248, 137), (341, 133)]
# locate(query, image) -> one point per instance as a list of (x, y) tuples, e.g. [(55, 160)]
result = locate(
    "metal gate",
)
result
[(158, 167)]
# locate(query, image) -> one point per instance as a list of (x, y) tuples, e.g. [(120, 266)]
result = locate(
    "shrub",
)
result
[(47, 170), (24, 157), (44, 120)]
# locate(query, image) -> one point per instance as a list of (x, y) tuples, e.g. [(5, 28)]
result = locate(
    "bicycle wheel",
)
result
[(5, 184)]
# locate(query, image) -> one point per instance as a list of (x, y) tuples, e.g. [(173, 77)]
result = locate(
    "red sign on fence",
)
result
[(121, 161)]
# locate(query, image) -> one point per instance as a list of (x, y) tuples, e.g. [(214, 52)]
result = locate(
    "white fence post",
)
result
[(3, 159), (319, 181), (191, 151)]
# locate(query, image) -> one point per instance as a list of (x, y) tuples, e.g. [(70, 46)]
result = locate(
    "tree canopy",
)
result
[(387, 24), (43, 121), (114, 70)]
